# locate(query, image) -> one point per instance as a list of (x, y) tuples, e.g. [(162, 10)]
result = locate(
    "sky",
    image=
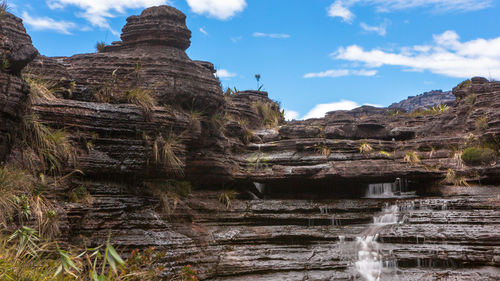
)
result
[(313, 56)]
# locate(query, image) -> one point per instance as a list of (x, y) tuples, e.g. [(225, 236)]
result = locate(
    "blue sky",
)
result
[(313, 55)]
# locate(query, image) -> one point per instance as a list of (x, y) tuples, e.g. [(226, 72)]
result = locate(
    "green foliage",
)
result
[(165, 152), (386, 154), (323, 149), (227, 196), (4, 7), (365, 148), (453, 179), (169, 192), (435, 110), (52, 147), (478, 155), (188, 274), (271, 117), (412, 158), (100, 46), (80, 194), (5, 62)]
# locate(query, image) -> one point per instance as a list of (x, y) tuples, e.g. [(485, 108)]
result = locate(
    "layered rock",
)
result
[(425, 100)]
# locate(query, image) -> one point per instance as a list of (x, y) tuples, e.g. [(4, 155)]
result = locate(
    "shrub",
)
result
[(465, 84), (478, 156), (5, 64), (4, 7), (80, 194), (100, 46)]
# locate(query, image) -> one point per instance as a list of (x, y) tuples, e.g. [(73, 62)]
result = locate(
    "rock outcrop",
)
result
[(425, 100), (314, 171)]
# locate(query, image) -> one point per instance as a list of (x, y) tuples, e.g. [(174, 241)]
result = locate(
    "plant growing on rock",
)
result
[(455, 180), (478, 156), (411, 157), (100, 46), (227, 196), (5, 64), (4, 7), (365, 148), (165, 152), (142, 98), (465, 84), (40, 89), (271, 117), (323, 150), (481, 124), (386, 154), (259, 85)]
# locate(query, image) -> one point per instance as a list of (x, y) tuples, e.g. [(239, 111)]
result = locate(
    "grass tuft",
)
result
[(365, 148), (165, 152), (412, 158), (100, 46), (455, 180), (271, 118), (143, 98), (227, 196)]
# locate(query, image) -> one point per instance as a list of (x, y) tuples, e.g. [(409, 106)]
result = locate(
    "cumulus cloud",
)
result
[(271, 35), (341, 8), (224, 74), (379, 29), (447, 55), (97, 12), (46, 23), (321, 109), (291, 115), (333, 73), (220, 9)]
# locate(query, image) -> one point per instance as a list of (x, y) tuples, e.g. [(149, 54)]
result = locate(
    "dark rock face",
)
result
[(425, 100), (314, 171)]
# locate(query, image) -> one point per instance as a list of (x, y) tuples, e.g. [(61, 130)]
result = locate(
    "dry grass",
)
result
[(455, 180), (481, 124), (142, 98), (4, 7), (271, 118), (165, 152), (323, 150), (365, 148), (412, 158), (40, 89), (100, 46), (227, 196)]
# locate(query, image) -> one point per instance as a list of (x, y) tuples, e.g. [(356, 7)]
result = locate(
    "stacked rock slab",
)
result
[(16, 50)]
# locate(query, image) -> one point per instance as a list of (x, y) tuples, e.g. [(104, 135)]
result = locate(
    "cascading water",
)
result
[(370, 262)]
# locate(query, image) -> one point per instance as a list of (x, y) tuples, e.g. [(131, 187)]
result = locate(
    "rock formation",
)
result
[(233, 141), (425, 100)]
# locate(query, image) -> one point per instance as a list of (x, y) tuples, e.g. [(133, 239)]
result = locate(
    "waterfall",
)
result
[(259, 186), (380, 190), (370, 261)]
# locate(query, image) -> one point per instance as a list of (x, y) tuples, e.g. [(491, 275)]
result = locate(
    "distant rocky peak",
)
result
[(155, 26), (425, 100)]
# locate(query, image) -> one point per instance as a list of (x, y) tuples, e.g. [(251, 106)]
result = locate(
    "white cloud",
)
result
[(97, 12), (341, 8), (236, 39), (224, 74), (272, 35), (220, 9), (446, 56), (333, 73), (320, 110), (203, 31), (46, 23), (291, 115), (380, 29)]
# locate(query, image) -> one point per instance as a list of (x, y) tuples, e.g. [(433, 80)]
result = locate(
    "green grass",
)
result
[(475, 156), (465, 84), (435, 110), (142, 98)]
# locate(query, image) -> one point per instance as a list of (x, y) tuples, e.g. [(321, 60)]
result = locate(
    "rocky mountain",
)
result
[(425, 100), (139, 119)]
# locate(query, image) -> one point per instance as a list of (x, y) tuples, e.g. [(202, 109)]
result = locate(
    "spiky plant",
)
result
[(323, 149), (141, 97), (455, 180), (165, 152), (227, 196), (14, 184), (365, 148), (411, 157), (100, 46), (4, 7), (40, 89), (271, 117)]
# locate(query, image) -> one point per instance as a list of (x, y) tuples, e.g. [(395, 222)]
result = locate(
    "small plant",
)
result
[(465, 84), (227, 196), (80, 194), (481, 124), (5, 62), (142, 98), (40, 89), (386, 154), (165, 152), (271, 117), (100, 46), (365, 148), (323, 149), (259, 85), (188, 274), (453, 179), (478, 156), (394, 112), (412, 158), (4, 7)]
